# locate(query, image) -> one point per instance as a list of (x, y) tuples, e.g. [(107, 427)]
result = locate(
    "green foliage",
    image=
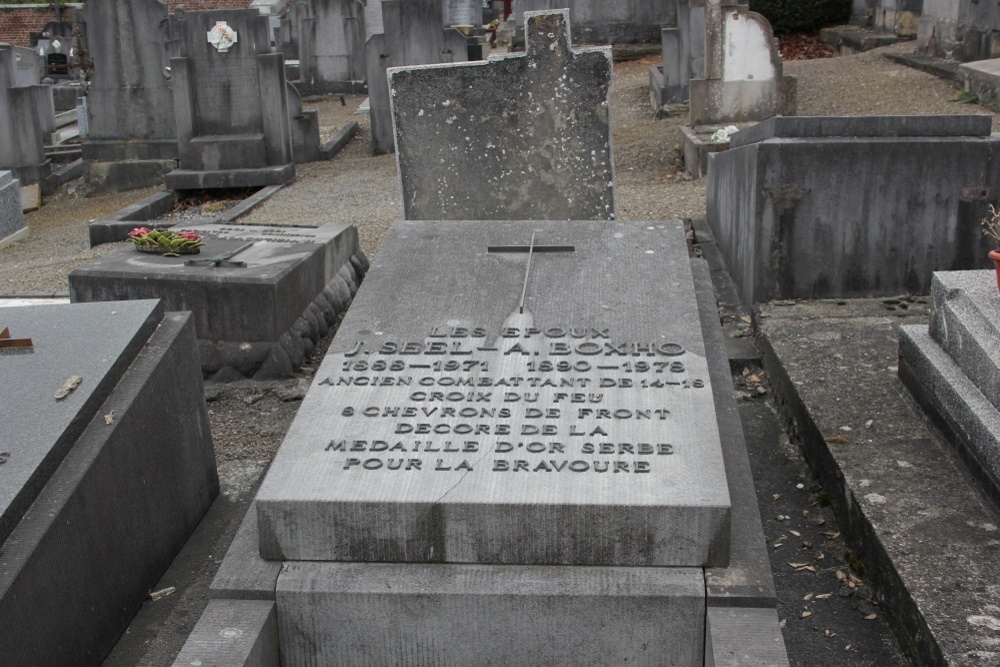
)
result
[(966, 98), (796, 15)]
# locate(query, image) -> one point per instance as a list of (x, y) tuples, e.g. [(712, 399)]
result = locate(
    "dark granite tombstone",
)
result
[(412, 34), (256, 315), (485, 448), (107, 466), (522, 136), (229, 102)]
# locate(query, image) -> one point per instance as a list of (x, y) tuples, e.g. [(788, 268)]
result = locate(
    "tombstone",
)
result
[(513, 453), (951, 369), (551, 160), (603, 22), (11, 214), (463, 13), (130, 106), (230, 102), (683, 51), (838, 207), (743, 71), (107, 467), (261, 297), (373, 18), (412, 35), (304, 126), (331, 46), (29, 67), (27, 119)]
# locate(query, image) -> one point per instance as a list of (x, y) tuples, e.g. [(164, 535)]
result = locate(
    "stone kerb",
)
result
[(551, 159)]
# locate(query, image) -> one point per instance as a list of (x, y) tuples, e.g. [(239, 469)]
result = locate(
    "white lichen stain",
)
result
[(990, 622), (875, 498)]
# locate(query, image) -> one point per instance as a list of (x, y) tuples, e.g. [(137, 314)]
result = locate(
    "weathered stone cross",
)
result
[(531, 249)]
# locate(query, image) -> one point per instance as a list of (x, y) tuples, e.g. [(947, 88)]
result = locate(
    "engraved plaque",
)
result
[(476, 406)]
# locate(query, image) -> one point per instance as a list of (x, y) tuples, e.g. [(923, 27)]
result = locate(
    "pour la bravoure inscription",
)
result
[(553, 400)]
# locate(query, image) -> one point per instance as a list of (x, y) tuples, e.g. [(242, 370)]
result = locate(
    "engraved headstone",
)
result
[(550, 159), (230, 104), (412, 34), (331, 46)]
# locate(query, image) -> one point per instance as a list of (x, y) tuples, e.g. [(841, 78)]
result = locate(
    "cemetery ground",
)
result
[(830, 613)]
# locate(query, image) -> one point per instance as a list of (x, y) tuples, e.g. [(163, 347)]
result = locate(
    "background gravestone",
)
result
[(29, 67), (463, 12), (230, 105), (605, 22), (412, 34), (331, 46), (550, 158), (683, 55), (11, 216), (27, 117)]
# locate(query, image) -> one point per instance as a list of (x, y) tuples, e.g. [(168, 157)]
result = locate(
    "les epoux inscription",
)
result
[(538, 400)]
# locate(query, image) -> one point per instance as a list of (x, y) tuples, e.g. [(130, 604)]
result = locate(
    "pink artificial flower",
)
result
[(138, 231), (191, 236)]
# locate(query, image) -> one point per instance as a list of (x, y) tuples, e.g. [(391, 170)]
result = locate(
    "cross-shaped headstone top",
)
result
[(520, 136)]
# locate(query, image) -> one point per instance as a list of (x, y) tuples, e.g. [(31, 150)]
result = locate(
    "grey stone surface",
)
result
[(412, 34), (11, 215), (683, 51), (898, 18), (304, 126), (463, 12), (243, 574), (475, 614), (124, 175), (550, 160), (252, 320), (339, 141), (744, 78), (29, 67), (130, 108), (743, 637), (27, 115), (512, 407), (603, 22), (94, 342), (845, 216), (962, 30), (230, 107), (827, 127), (331, 46), (233, 633), (128, 493)]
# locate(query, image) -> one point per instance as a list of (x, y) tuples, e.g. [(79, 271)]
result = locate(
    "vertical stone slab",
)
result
[(130, 106), (25, 114), (11, 216), (463, 12), (274, 108), (550, 158)]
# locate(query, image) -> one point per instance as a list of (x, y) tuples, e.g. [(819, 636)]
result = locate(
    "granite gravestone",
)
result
[(549, 159), (29, 67), (11, 215), (463, 13), (27, 118), (683, 52), (229, 102), (412, 34), (130, 108), (106, 467), (331, 46), (259, 308), (603, 22)]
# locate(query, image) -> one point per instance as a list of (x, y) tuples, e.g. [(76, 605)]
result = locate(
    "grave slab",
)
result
[(257, 320), (131, 487), (539, 615), (233, 633), (555, 161), (11, 212), (595, 443)]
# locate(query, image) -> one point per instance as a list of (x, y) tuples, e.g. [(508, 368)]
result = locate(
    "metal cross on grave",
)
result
[(8, 343), (225, 259), (531, 249)]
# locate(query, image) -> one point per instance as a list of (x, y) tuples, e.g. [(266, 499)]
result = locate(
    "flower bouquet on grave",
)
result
[(165, 242), (991, 228)]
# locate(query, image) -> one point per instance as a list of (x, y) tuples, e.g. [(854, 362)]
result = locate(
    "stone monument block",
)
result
[(550, 158), (603, 22), (11, 214), (130, 108), (411, 34), (951, 368), (230, 102), (817, 207), (512, 424), (331, 46), (27, 119), (463, 13), (108, 466), (29, 66), (258, 311), (743, 80)]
